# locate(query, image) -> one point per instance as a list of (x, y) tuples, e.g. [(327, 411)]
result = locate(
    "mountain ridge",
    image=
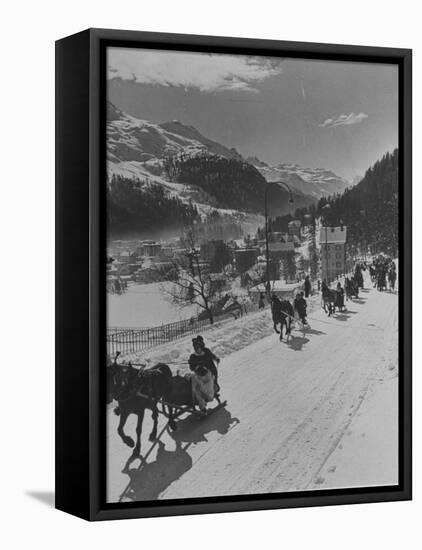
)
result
[(141, 150)]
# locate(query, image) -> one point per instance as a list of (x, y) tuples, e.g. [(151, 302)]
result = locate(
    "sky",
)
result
[(321, 114)]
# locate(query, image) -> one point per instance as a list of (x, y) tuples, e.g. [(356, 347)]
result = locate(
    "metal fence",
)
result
[(129, 340)]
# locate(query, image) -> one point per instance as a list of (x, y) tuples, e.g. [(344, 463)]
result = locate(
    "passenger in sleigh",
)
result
[(340, 297), (204, 357)]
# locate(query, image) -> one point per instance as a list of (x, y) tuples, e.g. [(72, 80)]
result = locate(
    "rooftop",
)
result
[(336, 235), (281, 247), (277, 286)]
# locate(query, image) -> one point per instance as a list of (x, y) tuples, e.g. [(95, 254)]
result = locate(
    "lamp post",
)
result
[(267, 247), (326, 207)]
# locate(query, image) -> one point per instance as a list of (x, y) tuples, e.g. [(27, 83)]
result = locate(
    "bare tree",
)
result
[(192, 282)]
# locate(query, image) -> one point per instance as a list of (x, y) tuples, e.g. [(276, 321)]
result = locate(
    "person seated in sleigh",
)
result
[(202, 358)]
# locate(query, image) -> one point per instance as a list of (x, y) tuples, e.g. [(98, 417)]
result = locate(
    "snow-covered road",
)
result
[(310, 414)]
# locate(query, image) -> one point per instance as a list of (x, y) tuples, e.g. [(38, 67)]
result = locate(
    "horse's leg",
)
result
[(153, 434), (275, 327), (172, 423), (120, 430), (281, 331), (137, 449)]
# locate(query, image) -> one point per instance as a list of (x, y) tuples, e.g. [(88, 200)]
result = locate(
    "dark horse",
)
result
[(329, 300), (282, 312), (351, 288), (136, 390)]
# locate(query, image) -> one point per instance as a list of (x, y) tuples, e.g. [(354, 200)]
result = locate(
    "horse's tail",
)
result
[(275, 327)]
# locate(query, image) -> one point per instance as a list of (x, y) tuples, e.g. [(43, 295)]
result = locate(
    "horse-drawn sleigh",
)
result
[(137, 389)]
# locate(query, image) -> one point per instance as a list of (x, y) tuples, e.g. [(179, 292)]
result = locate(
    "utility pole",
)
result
[(326, 207), (326, 254), (267, 246)]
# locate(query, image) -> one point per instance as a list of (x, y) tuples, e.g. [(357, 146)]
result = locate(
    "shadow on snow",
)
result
[(148, 480), (296, 343)]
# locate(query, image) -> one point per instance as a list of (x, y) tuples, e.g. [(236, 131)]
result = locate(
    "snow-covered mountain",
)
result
[(210, 176), (133, 139), (140, 150), (315, 182)]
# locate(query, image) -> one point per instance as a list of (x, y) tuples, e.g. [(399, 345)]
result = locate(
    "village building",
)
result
[(279, 251), (210, 249), (332, 243), (245, 258), (127, 257), (283, 290), (151, 248), (294, 227)]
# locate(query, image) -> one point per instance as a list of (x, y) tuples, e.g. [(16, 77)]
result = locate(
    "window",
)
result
[(338, 264), (338, 256), (338, 246)]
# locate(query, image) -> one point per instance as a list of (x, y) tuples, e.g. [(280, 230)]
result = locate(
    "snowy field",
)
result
[(317, 413), (144, 306)]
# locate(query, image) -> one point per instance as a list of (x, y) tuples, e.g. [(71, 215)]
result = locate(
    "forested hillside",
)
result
[(370, 209), (231, 182), (134, 209)]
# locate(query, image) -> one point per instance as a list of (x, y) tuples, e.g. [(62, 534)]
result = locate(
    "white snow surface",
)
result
[(145, 305), (317, 413)]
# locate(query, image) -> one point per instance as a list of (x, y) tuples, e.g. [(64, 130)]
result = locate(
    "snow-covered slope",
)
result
[(316, 182), (312, 414), (137, 147), (141, 150), (133, 139)]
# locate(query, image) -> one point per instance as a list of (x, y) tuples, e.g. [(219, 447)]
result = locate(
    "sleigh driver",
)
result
[(205, 375)]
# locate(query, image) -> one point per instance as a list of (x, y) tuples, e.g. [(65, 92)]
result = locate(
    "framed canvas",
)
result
[(233, 276)]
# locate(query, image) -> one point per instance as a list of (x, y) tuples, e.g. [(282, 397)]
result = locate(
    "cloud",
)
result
[(206, 72), (343, 120)]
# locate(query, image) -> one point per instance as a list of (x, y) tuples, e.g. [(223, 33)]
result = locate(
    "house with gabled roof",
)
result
[(332, 245)]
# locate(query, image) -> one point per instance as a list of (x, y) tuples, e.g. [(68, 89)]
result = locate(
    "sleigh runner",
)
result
[(179, 410)]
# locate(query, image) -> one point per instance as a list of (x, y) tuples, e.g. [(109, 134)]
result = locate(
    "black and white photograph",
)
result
[(252, 274)]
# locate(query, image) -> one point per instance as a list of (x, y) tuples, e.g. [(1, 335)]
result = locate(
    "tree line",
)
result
[(134, 208), (370, 208), (231, 182)]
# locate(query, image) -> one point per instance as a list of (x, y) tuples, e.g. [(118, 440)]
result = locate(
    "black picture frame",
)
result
[(80, 281)]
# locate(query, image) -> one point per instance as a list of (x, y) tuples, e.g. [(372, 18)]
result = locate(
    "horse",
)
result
[(392, 275), (283, 314), (340, 299), (373, 274), (329, 299), (351, 288), (381, 279), (136, 390)]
